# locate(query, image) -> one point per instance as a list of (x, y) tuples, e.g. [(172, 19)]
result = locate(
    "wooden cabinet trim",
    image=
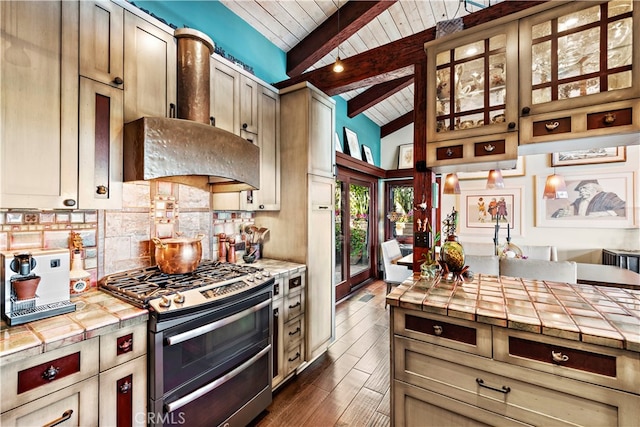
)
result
[(124, 401), (47, 372)]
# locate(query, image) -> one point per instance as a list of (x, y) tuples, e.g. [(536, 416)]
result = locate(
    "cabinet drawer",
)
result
[(123, 345), (609, 119), (123, 394), (446, 331), (293, 306), (490, 148), (75, 405), (293, 357), (571, 359), (278, 286), (29, 379), (450, 152), (532, 398), (497, 151), (552, 126), (294, 282), (293, 331)]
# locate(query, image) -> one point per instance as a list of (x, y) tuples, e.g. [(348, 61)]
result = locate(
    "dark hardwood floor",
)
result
[(349, 384)]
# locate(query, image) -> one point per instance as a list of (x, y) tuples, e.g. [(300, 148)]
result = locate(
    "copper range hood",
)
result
[(187, 149)]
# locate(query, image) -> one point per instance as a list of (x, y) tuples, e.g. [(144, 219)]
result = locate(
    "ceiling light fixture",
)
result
[(555, 187), (337, 66), (494, 179), (451, 184)]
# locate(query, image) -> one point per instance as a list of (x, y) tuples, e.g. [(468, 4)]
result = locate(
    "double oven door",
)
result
[(213, 368)]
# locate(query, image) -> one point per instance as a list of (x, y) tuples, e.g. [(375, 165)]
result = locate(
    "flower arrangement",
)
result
[(400, 216)]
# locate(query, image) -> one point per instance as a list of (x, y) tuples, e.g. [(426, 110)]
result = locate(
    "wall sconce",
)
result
[(494, 179), (451, 184), (555, 187)]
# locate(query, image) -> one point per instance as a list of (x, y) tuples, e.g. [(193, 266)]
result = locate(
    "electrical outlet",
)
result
[(421, 239)]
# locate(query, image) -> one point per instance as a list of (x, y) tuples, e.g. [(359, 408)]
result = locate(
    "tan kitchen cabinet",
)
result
[(277, 339), (123, 394), (488, 375), (472, 97), (39, 104), (303, 230), (101, 42), (244, 106), (150, 67), (579, 76)]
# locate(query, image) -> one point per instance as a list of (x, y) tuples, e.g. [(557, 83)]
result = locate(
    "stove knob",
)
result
[(266, 273), (165, 303), (258, 276), (250, 278), (179, 298)]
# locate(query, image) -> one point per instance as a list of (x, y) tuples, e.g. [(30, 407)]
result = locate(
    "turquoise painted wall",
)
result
[(240, 40)]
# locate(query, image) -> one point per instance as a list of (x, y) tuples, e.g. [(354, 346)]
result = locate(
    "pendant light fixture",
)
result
[(494, 179), (337, 66), (555, 187), (451, 184)]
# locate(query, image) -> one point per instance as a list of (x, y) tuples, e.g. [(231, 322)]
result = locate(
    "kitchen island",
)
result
[(510, 351)]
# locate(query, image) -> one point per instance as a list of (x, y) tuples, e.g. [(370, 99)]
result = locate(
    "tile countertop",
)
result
[(600, 315), (97, 313)]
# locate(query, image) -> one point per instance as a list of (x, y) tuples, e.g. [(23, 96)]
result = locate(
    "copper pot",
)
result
[(178, 255)]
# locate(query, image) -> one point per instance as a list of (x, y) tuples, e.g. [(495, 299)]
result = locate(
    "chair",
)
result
[(483, 264), (394, 274), (549, 253), (557, 271)]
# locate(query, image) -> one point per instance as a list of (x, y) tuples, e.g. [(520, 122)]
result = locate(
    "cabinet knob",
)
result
[(551, 125), (437, 329), (102, 189), (449, 152), (69, 202), (244, 126), (511, 125), (118, 80), (212, 121), (489, 148), (525, 110), (125, 387), (50, 373), (261, 206), (126, 345), (559, 357), (609, 118)]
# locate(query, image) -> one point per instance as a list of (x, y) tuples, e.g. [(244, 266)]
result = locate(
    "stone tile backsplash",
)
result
[(116, 240)]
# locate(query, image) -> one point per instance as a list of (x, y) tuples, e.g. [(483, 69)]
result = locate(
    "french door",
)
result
[(355, 230)]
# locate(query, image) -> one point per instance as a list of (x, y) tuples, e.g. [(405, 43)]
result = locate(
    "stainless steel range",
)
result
[(209, 341)]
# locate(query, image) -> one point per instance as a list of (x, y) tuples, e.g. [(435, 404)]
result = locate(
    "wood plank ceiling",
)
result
[(378, 41)]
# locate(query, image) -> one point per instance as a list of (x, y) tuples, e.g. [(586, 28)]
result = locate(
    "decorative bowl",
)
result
[(249, 259)]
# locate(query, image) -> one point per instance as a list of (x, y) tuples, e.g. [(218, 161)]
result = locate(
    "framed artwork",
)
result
[(405, 156), (337, 143), (352, 144), (588, 157), (517, 171), (481, 210), (367, 154), (595, 201)]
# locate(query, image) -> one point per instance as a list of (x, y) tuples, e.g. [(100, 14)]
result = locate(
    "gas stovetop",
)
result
[(149, 287)]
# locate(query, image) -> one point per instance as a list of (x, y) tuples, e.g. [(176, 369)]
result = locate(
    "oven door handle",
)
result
[(179, 403), (176, 339)]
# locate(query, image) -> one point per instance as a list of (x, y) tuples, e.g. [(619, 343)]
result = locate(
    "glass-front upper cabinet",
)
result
[(472, 84), (582, 54)]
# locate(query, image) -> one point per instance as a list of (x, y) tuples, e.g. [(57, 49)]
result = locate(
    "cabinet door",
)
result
[(39, 104), (249, 95), (70, 406), (321, 139), (278, 342), (123, 394), (582, 54), (225, 96), (101, 128), (101, 41), (268, 197), (320, 265), (149, 69)]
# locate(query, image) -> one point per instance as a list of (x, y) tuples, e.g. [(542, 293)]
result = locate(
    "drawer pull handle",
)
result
[(489, 148), (50, 373), (449, 152), (65, 416), (125, 387), (126, 346), (291, 359), (295, 305), (297, 331), (552, 125), (504, 389), (437, 329), (609, 118), (559, 357)]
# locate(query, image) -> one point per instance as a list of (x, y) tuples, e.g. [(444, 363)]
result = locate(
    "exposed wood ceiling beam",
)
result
[(375, 94), (334, 30), (396, 124), (384, 60)]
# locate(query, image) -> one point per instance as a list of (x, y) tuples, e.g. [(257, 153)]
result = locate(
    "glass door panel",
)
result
[(340, 267), (359, 202)]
